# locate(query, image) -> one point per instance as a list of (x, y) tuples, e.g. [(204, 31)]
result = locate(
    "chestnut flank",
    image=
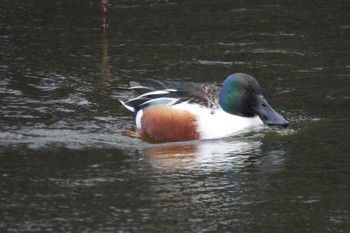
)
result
[(165, 123)]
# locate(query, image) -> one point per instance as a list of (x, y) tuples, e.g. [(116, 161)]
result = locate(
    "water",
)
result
[(67, 166)]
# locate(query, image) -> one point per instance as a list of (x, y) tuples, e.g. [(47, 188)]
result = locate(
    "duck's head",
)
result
[(241, 95)]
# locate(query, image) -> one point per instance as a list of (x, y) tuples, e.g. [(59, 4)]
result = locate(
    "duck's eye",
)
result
[(243, 90)]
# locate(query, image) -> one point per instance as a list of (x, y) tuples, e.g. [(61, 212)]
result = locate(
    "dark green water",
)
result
[(67, 166)]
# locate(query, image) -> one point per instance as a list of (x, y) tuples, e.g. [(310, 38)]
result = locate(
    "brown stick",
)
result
[(105, 24)]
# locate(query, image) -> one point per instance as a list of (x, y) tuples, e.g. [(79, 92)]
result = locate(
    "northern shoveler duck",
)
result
[(180, 111)]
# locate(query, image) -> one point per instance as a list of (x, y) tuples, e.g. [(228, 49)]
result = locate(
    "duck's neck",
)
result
[(228, 103)]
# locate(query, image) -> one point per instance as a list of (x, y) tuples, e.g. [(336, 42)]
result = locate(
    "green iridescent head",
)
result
[(241, 95)]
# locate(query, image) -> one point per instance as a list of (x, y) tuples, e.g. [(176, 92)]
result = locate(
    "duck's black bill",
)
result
[(267, 114)]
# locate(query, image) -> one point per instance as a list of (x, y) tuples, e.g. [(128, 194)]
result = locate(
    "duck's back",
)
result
[(203, 94)]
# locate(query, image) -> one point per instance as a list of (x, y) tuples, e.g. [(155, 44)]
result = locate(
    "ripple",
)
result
[(224, 63)]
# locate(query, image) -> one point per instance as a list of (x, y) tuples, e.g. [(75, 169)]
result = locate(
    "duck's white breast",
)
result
[(217, 123)]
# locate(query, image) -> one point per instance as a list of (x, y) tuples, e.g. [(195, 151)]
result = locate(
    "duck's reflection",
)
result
[(205, 155)]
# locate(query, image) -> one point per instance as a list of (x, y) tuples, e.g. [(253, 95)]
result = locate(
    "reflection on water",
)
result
[(204, 156), (106, 73), (66, 166)]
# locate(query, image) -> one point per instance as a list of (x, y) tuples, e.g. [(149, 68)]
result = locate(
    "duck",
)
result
[(171, 111)]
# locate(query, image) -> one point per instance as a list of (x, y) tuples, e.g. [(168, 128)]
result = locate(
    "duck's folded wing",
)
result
[(205, 94)]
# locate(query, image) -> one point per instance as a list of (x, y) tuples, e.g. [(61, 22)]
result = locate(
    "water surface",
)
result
[(67, 166)]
